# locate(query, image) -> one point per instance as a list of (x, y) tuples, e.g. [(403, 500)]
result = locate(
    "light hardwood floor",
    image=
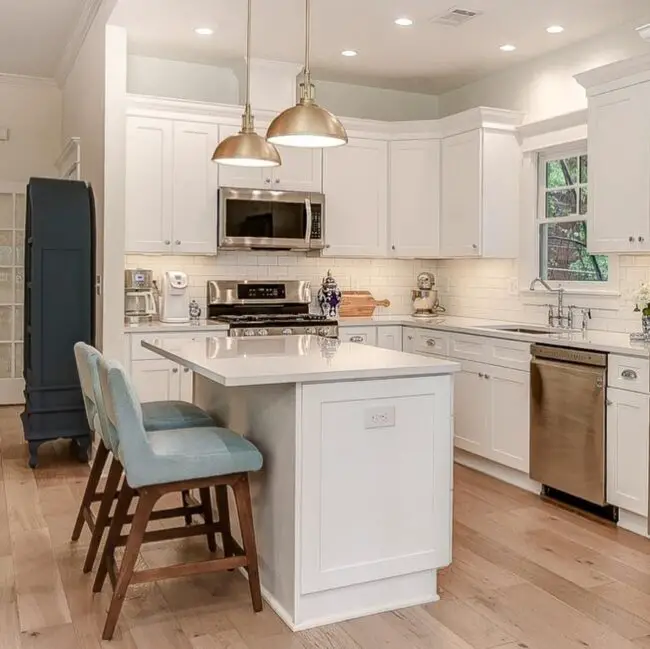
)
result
[(526, 575)]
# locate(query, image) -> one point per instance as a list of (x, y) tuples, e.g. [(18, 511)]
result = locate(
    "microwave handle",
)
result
[(309, 221)]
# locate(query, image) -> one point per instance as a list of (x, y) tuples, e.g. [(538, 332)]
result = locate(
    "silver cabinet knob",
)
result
[(175, 370), (474, 246), (631, 239), (481, 375), (393, 247), (168, 242), (178, 242), (277, 181), (641, 239), (487, 376), (410, 337), (609, 403), (267, 181)]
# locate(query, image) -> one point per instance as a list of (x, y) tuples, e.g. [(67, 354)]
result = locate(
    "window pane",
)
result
[(18, 360), (584, 192), (584, 177), (6, 323), (561, 173), (6, 248), (20, 210), (561, 202), (6, 285), (6, 353), (564, 255), (6, 210)]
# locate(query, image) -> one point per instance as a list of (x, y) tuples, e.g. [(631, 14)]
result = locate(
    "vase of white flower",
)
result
[(643, 306)]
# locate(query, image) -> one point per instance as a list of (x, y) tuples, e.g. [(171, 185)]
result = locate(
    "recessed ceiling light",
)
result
[(555, 29), (404, 22), (349, 52), (507, 48), (204, 31)]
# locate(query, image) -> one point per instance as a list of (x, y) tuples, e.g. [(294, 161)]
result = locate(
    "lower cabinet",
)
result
[(390, 338), (491, 410), (363, 335), (628, 414)]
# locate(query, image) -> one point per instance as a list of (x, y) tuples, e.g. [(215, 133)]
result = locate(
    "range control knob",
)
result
[(310, 330), (287, 332), (262, 332), (323, 331), (249, 332)]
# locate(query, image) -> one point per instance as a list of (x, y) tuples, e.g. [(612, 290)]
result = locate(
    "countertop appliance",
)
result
[(424, 298), (272, 220), (139, 296), (567, 416), (266, 308), (175, 297), (59, 310)]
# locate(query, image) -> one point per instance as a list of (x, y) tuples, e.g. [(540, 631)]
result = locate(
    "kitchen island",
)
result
[(353, 506)]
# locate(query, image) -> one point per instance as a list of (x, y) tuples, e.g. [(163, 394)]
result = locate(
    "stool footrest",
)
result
[(187, 569)]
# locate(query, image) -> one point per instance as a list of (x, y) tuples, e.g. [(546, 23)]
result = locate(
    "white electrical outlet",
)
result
[(4, 134), (381, 417), (513, 286)]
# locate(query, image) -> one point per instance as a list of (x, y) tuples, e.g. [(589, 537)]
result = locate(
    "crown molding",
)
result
[(24, 80), (89, 11), (495, 119), (615, 75)]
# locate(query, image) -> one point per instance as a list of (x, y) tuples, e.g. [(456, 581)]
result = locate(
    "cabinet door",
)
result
[(389, 338), (244, 177), (471, 410), (149, 178), (186, 384), (157, 380), (301, 170), (415, 198), (509, 426), (194, 227), (628, 423), (355, 180), (362, 335), (460, 214), (619, 170)]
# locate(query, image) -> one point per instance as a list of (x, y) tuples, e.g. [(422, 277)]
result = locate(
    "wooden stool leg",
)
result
[(206, 502), (224, 518), (91, 488), (101, 523), (138, 528), (185, 497), (121, 512), (245, 513)]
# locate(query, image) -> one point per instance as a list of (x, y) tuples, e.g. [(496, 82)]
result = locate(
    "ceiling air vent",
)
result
[(455, 17)]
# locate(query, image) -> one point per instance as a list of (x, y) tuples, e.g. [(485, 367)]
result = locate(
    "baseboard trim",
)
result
[(633, 522)]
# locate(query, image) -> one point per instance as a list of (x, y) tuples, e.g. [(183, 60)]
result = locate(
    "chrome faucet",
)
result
[(560, 319)]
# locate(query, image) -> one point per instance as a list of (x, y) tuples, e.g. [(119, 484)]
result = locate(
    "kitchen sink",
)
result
[(520, 329)]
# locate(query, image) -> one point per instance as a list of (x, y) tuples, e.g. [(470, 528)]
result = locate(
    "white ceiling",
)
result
[(424, 57), (34, 34)]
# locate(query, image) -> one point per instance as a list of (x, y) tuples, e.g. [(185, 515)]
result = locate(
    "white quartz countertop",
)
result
[(164, 327), (293, 359), (604, 341)]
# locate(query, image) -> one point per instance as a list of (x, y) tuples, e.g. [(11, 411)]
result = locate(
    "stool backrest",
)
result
[(123, 415), (87, 358)]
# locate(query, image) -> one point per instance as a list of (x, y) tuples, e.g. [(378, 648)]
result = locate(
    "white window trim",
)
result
[(529, 234)]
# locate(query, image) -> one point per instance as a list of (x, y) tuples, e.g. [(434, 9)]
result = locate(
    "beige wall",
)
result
[(31, 110)]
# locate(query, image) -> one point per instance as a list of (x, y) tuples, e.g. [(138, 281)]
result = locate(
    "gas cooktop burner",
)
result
[(272, 318)]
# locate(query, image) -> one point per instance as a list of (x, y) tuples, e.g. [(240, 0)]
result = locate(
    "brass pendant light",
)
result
[(307, 124), (247, 148)]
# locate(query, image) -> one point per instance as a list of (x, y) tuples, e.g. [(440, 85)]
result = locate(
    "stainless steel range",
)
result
[(266, 308)]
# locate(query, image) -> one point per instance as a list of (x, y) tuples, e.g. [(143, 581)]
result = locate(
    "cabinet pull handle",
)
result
[(178, 242), (267, 181), (487, 376), (356, 339), (431, 342), (475, 246), (629, 375), (393, 247), (410, 337), (168, 242), (641, 239), (175, 370), (277, 181), (481, 375), (631, 239)]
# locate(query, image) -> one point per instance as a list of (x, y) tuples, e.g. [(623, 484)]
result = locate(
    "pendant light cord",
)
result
[(247, 118), (307, 36)]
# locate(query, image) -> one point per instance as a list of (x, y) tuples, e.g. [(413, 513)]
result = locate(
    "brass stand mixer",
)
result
[(425, 297)]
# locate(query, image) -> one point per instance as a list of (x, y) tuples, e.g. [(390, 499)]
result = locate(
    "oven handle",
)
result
[(309, 221)]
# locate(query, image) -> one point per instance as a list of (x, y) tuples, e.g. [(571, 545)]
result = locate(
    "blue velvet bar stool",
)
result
[(157, 415), (167, 462)]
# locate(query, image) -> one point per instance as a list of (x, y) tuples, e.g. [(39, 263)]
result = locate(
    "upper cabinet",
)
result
[(355, 183), (414, 184), (619, 156), (171, 187), (301, 170), (479, 213)]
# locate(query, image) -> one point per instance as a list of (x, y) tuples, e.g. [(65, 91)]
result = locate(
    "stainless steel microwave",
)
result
[(273, 220)]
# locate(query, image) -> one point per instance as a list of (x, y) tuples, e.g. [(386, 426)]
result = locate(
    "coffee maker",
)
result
[(139, 296), (175, 297)]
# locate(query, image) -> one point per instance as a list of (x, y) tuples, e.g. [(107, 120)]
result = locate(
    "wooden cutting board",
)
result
[(359, 304)]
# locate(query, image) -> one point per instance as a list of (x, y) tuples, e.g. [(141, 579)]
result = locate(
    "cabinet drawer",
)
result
[(628, 373), (363, 335), (471, 348), (427, 341), (139, 353), (509, 353)]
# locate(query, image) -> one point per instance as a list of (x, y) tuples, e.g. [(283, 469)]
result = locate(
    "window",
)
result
[(562, 221)]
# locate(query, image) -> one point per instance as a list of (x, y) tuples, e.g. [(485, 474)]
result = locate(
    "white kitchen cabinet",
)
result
[(194, 222), (426, 341), (171, 187), (628, 430), (362, 335), (158, 380), (390, 338), (509, 424), (149, 180), (301, 170), (415, 198), (471, 409), (355, 183), (479, 215)]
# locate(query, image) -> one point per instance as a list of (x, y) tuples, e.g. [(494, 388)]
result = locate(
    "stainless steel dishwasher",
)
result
[(567, 417)]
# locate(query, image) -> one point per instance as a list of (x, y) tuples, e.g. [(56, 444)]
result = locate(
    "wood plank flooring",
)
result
[(526, 575)]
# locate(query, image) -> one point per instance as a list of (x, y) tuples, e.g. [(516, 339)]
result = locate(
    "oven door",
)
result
[(272, 220)]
